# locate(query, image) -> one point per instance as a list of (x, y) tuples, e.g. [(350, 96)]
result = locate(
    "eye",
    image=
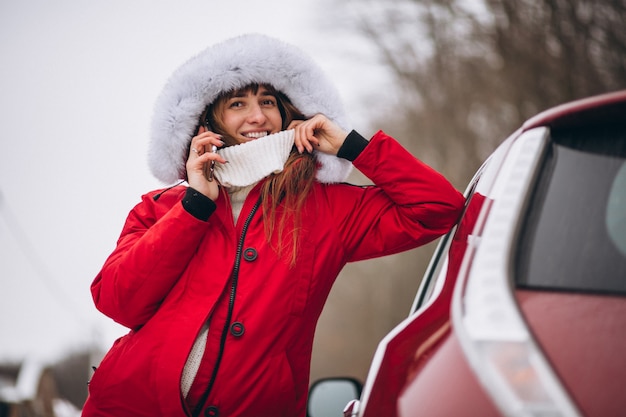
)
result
[(269, 102), (235, 104)]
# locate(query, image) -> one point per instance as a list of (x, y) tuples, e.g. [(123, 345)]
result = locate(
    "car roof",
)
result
[(607, 108)]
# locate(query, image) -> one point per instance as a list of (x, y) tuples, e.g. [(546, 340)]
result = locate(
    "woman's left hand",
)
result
[(319, 133)]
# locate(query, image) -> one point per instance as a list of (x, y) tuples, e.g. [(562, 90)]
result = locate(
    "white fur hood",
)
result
[(233, 64)]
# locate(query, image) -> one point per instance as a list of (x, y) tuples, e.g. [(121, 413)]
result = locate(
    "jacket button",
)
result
[(249, 254), (211, 411), (237, 329)]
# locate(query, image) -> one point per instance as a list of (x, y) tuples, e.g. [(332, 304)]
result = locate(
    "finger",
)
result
[(198, 167), (211, 156), (209, 142), (309, 138), (294, 123), (201, 144), (297, 138), (308, 132), (307, 145), (302, 143), (301, 139)]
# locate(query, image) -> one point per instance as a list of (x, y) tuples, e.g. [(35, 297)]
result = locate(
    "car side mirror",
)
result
[(329, 396)]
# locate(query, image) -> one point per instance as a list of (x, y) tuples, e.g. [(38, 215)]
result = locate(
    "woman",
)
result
[(222, 280)]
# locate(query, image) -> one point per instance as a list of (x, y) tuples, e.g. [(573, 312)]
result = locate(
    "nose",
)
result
[(256, 115)]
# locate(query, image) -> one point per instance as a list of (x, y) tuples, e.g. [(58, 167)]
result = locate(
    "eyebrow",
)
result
[(243, 93)]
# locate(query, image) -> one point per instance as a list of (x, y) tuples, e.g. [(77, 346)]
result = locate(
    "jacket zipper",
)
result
[(231, 306)]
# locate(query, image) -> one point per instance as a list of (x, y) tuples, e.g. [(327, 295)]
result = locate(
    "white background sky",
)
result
[(78, 79)]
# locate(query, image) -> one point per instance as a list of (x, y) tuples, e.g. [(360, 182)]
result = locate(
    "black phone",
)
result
[(207, 126)]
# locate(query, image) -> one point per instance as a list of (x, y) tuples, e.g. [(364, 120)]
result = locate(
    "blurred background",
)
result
[(449, 78)]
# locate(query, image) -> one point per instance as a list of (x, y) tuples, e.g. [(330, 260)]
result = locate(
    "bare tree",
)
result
[(71, 374), (468, 74), (471, 72)]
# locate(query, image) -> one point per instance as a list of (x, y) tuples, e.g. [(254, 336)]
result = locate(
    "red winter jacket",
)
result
[(171, 272)]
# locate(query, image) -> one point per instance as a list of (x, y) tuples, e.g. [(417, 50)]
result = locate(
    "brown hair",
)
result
[(285, 192)]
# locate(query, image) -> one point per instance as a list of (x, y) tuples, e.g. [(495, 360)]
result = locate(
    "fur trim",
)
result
[(233, 64)]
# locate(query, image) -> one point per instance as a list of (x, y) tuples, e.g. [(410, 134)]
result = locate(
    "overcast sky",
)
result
[(78, 82)]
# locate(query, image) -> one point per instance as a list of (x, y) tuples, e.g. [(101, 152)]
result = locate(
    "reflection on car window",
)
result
[(616, 211), (573, 237)]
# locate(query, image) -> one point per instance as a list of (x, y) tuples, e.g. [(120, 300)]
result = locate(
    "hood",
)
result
[(229, 65)]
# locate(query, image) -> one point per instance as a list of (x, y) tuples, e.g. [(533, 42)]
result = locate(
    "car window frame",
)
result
[(482, 181), (436, 271)]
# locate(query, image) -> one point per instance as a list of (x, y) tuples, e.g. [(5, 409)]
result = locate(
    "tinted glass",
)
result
[(574, 236)]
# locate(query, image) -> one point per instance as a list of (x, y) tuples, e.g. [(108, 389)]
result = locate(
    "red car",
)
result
[(522, 311)]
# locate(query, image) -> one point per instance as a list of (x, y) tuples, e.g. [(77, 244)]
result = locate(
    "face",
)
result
[(248, 116)]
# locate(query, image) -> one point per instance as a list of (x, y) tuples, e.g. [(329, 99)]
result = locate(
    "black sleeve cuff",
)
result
[(352, 146), (198, 205)]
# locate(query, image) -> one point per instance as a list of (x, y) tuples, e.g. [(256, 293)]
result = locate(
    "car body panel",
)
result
[(606, 108), (420, 368), (445, 387), (582, 335)]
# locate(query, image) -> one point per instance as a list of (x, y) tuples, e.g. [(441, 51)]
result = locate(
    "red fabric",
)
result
[(170, 273)]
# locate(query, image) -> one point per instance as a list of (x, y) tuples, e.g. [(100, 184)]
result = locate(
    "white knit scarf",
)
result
[(252, 161)]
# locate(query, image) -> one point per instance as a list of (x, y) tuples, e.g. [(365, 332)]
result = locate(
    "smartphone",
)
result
[(207, 126), (212, 165)]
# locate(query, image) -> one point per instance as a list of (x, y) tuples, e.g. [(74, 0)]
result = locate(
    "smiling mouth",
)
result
[(256, 135)]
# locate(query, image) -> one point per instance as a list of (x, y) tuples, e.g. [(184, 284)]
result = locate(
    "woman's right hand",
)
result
[(200, 157)]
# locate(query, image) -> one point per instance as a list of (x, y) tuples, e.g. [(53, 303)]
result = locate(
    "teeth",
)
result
[(255, 135)]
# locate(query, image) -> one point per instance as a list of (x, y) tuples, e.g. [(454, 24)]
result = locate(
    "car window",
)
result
[(434, 273), (574, 234)]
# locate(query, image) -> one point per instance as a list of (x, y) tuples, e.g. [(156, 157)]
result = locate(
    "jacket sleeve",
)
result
[(410, 204), (155, 246)]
